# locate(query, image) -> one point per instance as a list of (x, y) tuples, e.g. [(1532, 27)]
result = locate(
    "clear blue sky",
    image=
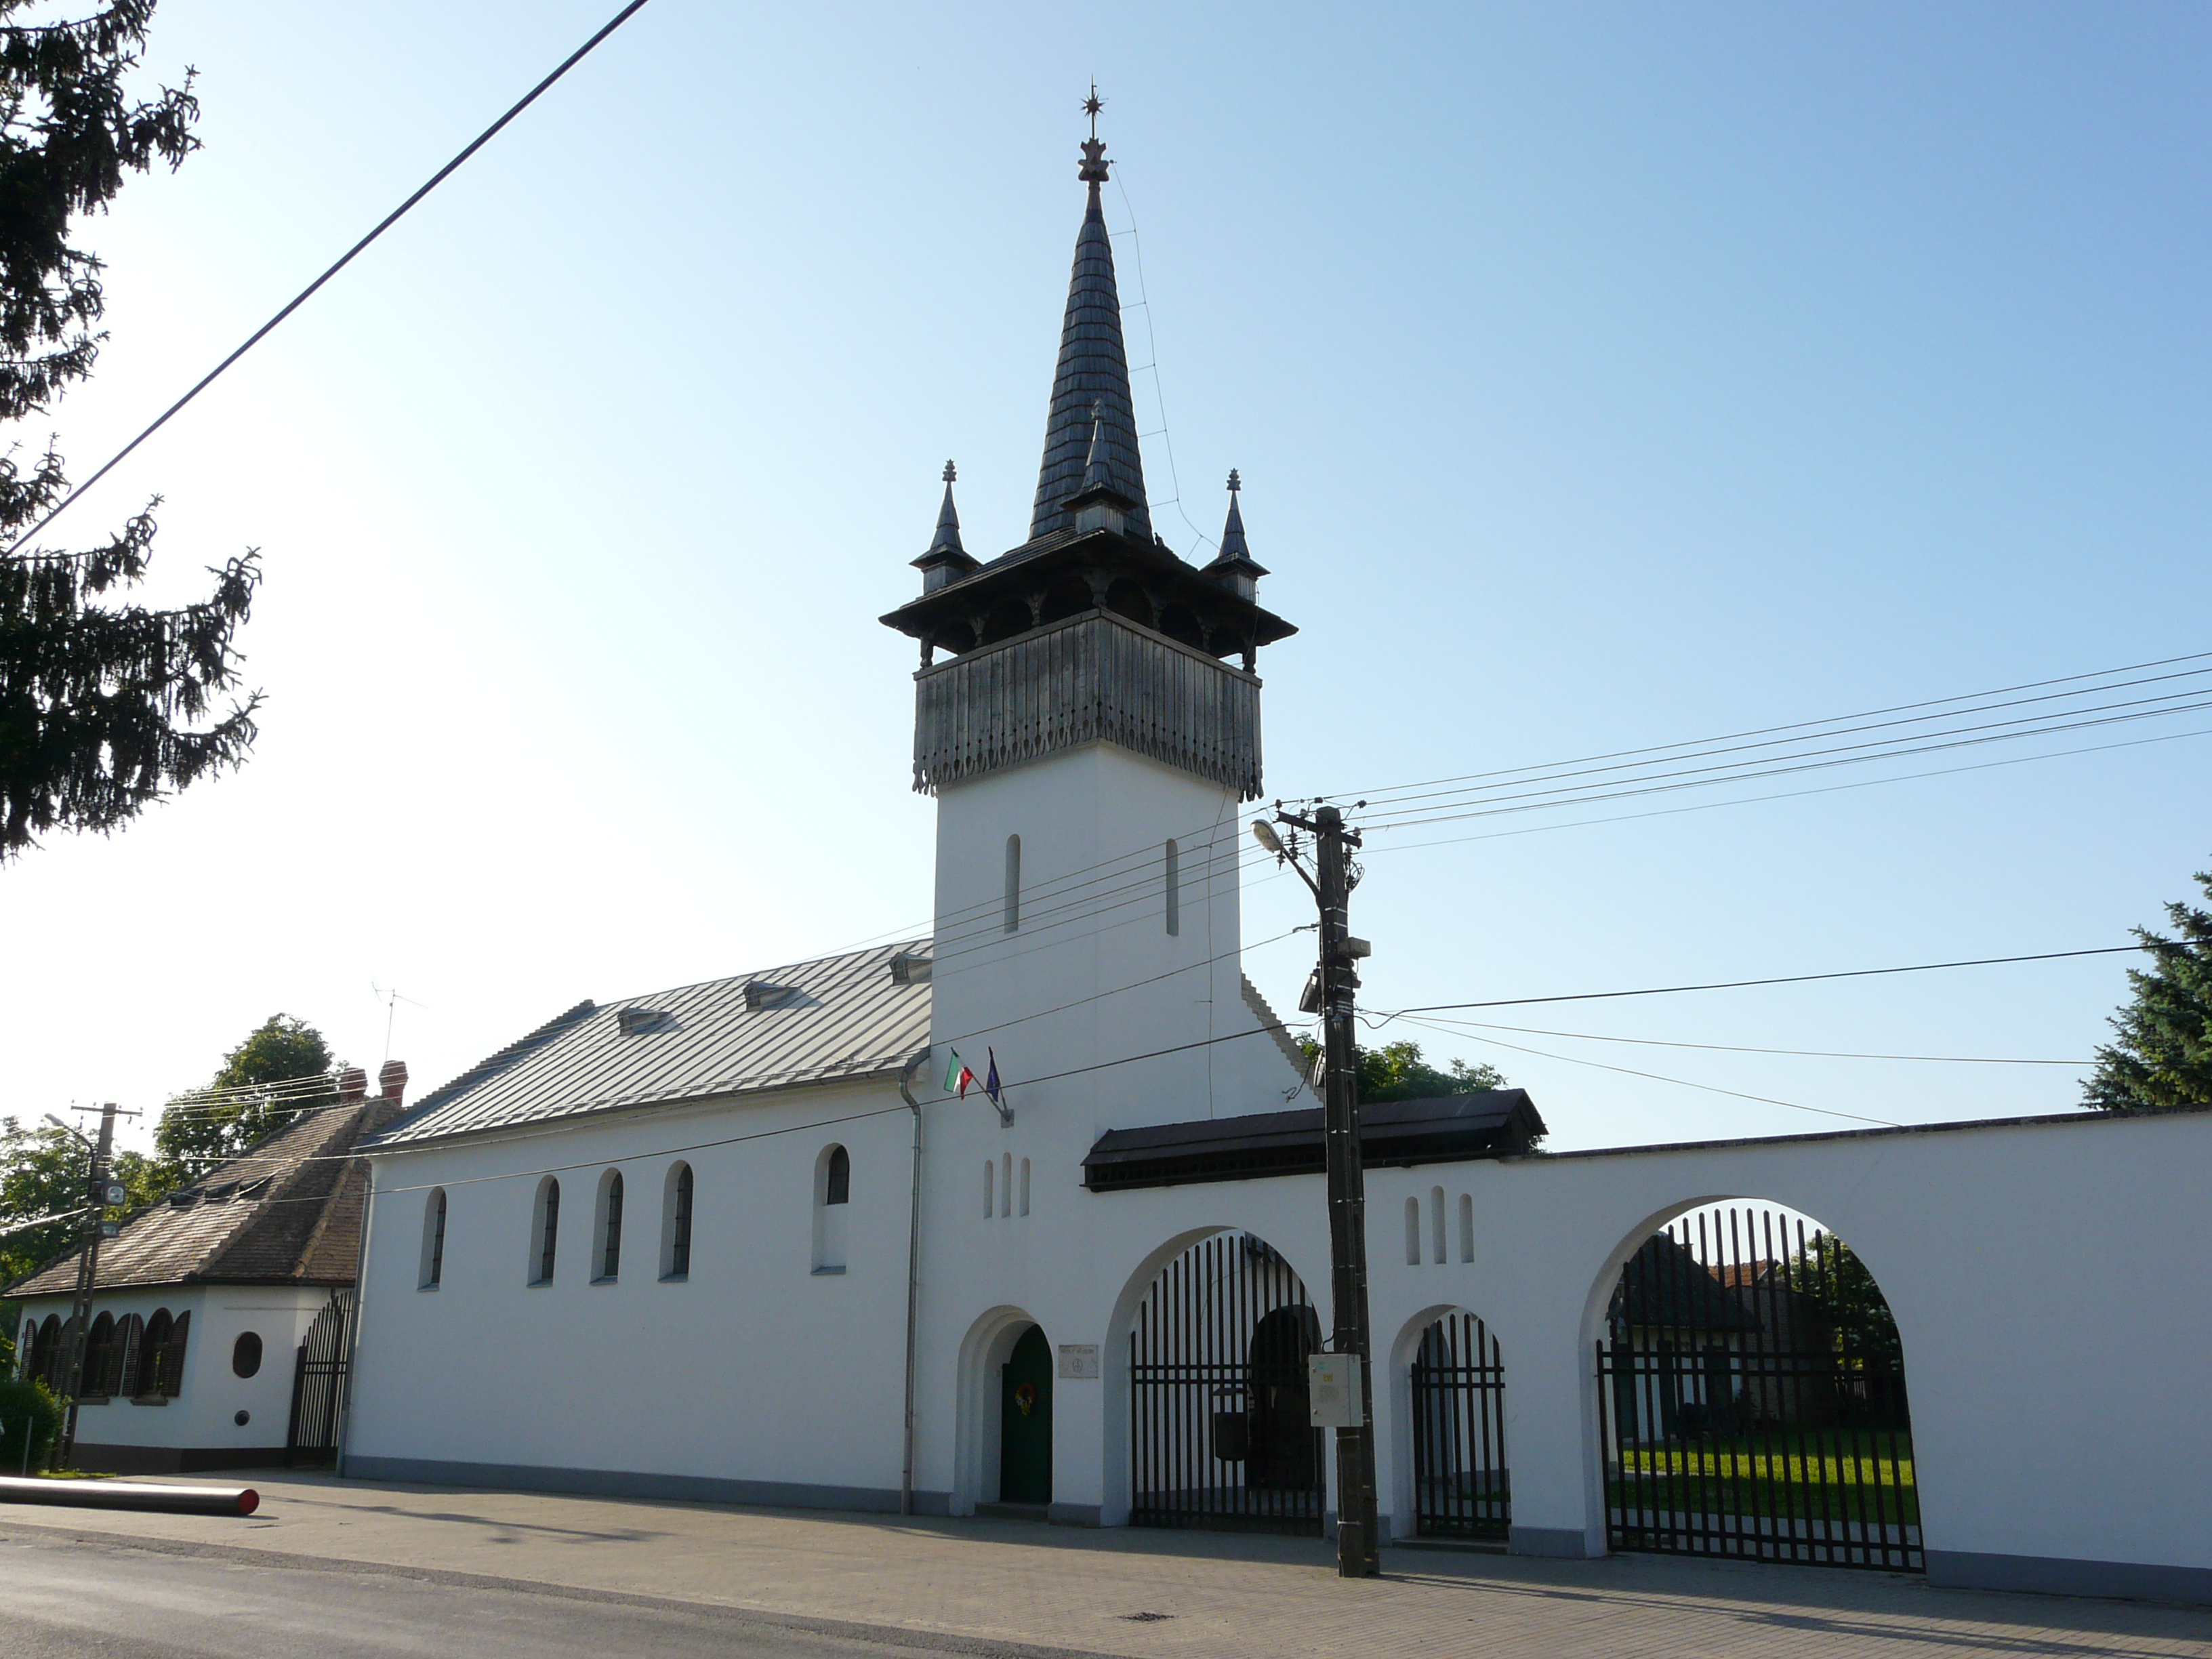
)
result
[(1599, 376)]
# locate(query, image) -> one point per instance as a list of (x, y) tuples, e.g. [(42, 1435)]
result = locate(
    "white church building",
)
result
[(740, 1242)]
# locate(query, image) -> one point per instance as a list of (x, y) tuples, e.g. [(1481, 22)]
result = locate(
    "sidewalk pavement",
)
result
[(1131, 1592)]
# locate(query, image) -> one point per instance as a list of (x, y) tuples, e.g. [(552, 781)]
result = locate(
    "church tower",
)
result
[(1091, 735)]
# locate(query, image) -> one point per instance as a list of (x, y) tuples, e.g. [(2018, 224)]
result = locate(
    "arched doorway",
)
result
[(1025, 1421), (1751, 1393), (1221, 1428), (1461, 1486)]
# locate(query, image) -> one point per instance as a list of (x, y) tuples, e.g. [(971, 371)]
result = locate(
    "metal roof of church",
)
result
[(840, 1019)]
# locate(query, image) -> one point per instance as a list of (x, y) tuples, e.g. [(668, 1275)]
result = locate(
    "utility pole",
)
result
[(1358, 1551), (99, 1195)]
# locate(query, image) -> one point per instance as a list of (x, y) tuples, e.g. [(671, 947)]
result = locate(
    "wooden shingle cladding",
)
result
[(1096, 677)]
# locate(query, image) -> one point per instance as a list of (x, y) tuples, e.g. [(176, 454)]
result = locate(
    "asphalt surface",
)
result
[(67, 1596)]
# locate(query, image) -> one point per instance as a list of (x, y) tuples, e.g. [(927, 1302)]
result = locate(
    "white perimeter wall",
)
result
[(2046, 1279)]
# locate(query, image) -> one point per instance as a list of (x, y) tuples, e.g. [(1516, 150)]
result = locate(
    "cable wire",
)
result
[(343, 260)]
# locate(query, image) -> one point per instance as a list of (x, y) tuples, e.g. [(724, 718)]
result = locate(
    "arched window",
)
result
[(545, 1231), (606, 1228), (833, 1198), (153, 1356), (675, 1224), (1005, 1183), (130, 1351), (1413, 1232), (1013, 882), (1466, 1227), (1437, 1225), (1175, 888), (45, 1353), (433, 1240), (990, 1188), (99, 1347), (1025, 1185)]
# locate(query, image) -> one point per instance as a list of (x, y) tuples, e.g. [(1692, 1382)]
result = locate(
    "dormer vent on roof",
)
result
[(759, 994), (634, 1021)]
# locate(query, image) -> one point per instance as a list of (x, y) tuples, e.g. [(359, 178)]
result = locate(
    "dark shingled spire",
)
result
[(1093, 369), (1232, 532), (948, 519)]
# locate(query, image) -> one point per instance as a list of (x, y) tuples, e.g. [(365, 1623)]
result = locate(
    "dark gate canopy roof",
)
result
[(1444, 1129)]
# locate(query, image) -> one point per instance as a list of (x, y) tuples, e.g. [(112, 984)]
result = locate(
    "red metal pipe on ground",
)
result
[(131, 1495)]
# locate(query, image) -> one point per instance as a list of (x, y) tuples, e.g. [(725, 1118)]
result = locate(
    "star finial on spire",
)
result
[(1234, 484), (1093, 170), (950, 474)]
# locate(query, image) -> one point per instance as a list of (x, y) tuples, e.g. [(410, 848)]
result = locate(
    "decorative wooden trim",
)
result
[(1096, 677)]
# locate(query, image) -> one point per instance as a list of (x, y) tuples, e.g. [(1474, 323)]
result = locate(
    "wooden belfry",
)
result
[(1093, 629)]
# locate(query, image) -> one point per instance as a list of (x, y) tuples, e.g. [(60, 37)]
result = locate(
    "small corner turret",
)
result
[(1234, 566), (946, 560)]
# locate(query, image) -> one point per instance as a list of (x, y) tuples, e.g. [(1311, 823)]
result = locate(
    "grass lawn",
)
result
[(1840, 1474)]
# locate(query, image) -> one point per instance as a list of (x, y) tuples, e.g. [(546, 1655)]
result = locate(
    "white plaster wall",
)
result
[(754, 1368), (202, 1415), (2056, 1327)]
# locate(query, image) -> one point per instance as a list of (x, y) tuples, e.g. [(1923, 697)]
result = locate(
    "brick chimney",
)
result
[(391, 1081), (353, 1083)]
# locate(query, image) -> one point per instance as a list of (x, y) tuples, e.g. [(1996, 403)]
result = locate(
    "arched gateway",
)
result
[(1751, 1392), (1220, 1430)]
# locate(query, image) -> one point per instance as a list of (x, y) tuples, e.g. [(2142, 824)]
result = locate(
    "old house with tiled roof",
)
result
[(202, 1302)]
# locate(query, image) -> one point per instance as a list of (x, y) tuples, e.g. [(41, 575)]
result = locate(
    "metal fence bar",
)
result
[(1749, 1404)]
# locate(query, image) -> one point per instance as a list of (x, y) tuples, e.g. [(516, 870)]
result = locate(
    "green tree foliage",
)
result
[(2163, 1056), (104, 707), (1852, 1302), (44, 1171), (198, 1129), (1397, 1072), (25, 1408)]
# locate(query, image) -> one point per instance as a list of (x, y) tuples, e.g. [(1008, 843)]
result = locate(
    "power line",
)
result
[(1788, 794), (1745, 984), (1708, 1088), (1658, 783), (344, 260), (1800, 725), (1468, 1027)]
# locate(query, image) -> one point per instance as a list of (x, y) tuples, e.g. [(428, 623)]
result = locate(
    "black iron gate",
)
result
[(1461, 1487), (1751, 1392), (1220, 1430), (319, 1385)]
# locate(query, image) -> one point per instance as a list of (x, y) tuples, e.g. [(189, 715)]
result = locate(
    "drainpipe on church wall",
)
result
[(913, 1278)]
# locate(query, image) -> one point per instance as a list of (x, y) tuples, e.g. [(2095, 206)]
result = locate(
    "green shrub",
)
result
[(25, 1408)]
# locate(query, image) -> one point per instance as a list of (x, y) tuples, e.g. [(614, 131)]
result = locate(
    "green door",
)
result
[(1025, 1422)]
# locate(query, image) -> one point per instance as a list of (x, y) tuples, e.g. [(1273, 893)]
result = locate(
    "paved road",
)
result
[(64, 1597)]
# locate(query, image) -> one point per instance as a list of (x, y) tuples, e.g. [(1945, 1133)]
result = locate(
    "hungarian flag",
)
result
[(957, 1077), (991, 1083)]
